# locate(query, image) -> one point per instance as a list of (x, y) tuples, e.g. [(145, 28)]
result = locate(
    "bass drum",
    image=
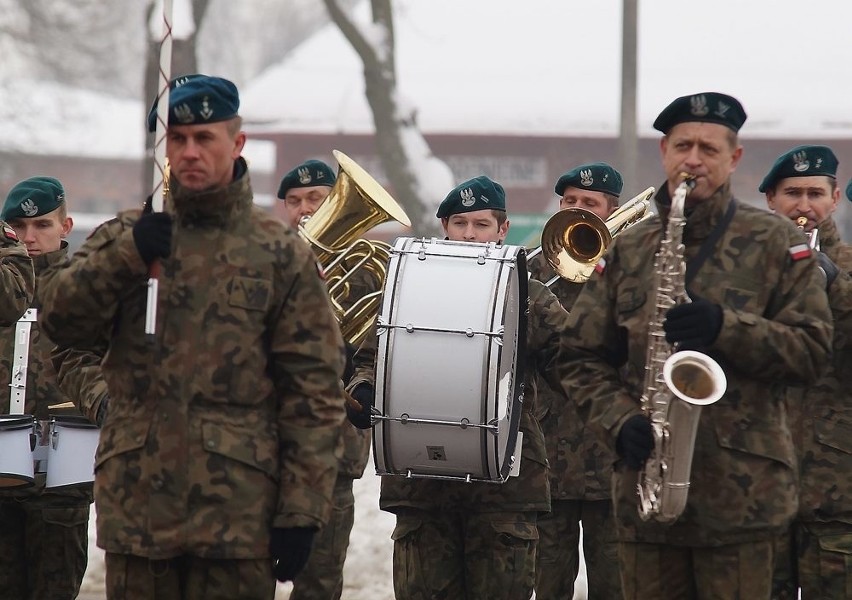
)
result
[(449, 364)]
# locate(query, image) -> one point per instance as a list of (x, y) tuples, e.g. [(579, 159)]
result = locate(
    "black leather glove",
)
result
[(828, 268), (635, 441), (365, 395), (290, 547), (152, 235), (694, 324)]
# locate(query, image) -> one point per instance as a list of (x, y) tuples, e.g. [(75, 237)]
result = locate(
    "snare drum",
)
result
[(71, 453), (17, 435), (449, 365)]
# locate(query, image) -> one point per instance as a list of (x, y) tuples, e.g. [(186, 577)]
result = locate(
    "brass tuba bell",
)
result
[(355, 204), (574, 239)]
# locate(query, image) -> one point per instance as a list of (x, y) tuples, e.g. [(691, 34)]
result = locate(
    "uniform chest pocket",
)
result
[(250, 293), (629, 302)]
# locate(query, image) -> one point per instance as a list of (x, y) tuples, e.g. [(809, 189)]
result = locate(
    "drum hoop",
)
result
[(12, 422)]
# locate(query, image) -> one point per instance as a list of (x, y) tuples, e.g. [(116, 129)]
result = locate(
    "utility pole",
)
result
[(628, 139)]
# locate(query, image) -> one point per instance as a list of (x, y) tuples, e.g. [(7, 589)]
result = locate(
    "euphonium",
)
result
[(355, 204), (574, 239), (677, 384)]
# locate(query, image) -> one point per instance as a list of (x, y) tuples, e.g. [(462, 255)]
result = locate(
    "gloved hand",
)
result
[(365, 395), (635, 441), (152, 235), (828, 268), (290, 547), (694, 324)]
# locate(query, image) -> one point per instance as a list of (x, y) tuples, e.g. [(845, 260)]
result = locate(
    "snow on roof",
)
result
[(552, 67)]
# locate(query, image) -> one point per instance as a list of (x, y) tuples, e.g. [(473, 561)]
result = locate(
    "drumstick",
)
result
[(63, 405)]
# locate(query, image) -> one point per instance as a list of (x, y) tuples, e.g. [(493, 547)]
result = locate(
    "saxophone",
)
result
[(677, 383)]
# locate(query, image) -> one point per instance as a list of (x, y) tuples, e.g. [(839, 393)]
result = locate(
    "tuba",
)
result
[(574, 239), (355, 204), (677, 384)]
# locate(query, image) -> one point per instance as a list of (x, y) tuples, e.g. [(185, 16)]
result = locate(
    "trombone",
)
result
[(574, 239)]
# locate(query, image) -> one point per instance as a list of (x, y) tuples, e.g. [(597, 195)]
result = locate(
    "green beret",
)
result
[(801, 161), (198, 99), (308, 174), (595, 177), (707, 107), (849, 190), (479, 193), (33, 197)]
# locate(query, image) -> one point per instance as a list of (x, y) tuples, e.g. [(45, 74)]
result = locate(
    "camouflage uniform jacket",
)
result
[(530, 490), (17, 278), (776, 331), (821, 414), (42, 389), (578, 453), (227, 423)]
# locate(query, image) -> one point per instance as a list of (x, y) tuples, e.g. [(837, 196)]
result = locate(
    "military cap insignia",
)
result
[(183, 113), (304, 175), (698, 106), (722, 109), (467, 197), (320, 175), (10, 233), (586, 177), (206, 111), (29, 207), (801, 162)]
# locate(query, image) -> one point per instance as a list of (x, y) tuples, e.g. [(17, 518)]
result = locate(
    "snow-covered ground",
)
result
[(367, 573)]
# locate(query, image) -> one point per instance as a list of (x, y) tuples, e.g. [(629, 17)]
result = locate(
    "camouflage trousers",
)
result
[(44, 548), (464, 555), (322, 578), (663, 572), (131, 577), (558, 557), (816, 558)]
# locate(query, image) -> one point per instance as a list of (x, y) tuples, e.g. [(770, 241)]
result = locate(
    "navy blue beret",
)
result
[(706, 107), (33, 197), (801, 161), (198, 99), (309, 173), (479, 193), (596, 177)]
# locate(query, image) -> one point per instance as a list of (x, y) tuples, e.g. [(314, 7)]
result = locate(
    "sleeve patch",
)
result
[(10, 233), (601, 266), (799, 251), (320, 271)]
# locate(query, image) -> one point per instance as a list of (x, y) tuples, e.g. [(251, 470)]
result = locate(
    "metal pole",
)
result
[(628, 150)]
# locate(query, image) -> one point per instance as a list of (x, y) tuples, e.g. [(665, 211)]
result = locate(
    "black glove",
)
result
[(103, 407), (635, 441), (365, 395), (152, 235), (828, 268), (694, 324), (290, 547)]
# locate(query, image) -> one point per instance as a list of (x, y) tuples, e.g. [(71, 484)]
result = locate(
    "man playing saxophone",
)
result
[(758, 308), (802, 185), (580, 461)]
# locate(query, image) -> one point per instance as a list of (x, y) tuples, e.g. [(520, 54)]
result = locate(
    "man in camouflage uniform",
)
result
[(757, 307), (472, 540), (817, 553), (580, 460), (43, 532), (303, 190), (218, 452)]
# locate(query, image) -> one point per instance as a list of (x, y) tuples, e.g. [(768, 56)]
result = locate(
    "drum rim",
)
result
[(12, 422), (73, 422)]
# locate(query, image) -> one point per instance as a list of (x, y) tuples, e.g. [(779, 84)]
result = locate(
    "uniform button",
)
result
[(211, 444), (563, 440), (139, 439), (165, 416), (156, 482)]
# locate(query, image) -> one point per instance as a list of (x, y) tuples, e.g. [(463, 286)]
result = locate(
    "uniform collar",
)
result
[(215, 208), (701, 217), (43, 261)]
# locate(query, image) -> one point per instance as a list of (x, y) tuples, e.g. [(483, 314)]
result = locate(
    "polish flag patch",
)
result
[(799, 251), (601, 266), (10, 233)]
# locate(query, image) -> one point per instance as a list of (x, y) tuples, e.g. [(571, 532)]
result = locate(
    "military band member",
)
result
[(759, 309), (472, 540), (580, 460), (43, 532), (803, 184), (217, 457), (303, 190)]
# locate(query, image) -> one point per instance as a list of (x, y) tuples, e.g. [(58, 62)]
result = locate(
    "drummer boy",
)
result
[(43, 533), (471, 540)]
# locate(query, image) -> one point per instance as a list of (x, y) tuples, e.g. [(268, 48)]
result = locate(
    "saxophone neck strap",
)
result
[(693, 266)]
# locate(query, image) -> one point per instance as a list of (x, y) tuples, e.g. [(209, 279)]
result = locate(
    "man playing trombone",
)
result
[(580, 460)]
